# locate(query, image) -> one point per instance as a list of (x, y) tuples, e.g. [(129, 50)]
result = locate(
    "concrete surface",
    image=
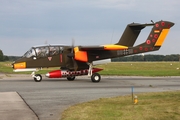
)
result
[(12, 107)]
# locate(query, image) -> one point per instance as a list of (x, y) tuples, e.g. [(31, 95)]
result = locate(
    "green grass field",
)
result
[(141, 68), (122, 68), (151, 106)]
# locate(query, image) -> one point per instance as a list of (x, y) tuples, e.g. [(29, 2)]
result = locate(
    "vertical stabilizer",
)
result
[(156, 37), (130, 34)]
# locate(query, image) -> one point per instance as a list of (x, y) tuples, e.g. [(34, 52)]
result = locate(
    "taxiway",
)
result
[(49, 98)]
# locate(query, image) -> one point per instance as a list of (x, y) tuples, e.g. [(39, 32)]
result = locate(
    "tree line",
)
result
[(149, 57), (3, 57), (173, 57)]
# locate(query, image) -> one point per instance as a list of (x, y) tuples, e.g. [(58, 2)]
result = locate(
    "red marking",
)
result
[(140, 48), (59, 73), (61, 58), (153, 40), (163, 23), (55, 74), (49, 58), (157, 25), (151, 35), (156, 36), (135, 51), (94, 70), (148, 42), (169, 25), (145, 49), (151, 48)]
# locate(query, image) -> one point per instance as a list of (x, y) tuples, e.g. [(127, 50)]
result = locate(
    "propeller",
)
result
[(71, 55)]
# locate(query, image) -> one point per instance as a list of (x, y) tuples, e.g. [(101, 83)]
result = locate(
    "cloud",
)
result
[(31, 22)]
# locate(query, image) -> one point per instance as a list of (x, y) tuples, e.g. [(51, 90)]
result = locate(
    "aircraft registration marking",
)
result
[(125, 52)]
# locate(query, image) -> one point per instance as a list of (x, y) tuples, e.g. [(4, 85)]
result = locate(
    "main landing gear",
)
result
[(95, 77), (71, 78), (92, 73)]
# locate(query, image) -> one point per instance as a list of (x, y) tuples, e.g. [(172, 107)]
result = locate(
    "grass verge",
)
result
[(120, 68), (151, 106)]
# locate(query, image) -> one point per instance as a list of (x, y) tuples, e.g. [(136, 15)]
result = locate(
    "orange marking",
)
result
[(20, 65), (162, 37), (80, 55)]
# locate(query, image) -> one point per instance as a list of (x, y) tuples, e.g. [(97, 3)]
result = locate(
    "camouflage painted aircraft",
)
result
[(79, 60)]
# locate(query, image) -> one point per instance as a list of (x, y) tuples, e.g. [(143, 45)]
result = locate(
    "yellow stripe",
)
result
[(114, 47), (162, 37)]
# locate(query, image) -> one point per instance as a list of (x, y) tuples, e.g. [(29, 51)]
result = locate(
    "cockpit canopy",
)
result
[(44, 51)]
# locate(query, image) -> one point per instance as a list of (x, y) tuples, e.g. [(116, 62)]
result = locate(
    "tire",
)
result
[(71, 78), (96, 77), (37, 78)]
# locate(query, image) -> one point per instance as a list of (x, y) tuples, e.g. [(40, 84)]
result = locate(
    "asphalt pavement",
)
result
[(49, 98)]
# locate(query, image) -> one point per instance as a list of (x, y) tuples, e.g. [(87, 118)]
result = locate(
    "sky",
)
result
[(27, 23)]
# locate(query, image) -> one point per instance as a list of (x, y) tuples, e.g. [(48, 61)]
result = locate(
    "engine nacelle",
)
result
[(66, 73)]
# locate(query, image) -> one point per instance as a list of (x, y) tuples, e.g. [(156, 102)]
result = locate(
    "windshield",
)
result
[(29, 53), (42, 51)]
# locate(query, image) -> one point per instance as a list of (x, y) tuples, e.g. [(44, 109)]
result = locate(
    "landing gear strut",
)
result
[(37, 77)]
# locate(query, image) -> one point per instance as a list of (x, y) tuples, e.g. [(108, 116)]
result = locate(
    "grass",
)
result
[(151, 106), (141, 68), (121, 68)]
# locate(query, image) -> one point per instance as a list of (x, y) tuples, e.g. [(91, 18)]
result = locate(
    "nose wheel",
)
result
[(37, 78)]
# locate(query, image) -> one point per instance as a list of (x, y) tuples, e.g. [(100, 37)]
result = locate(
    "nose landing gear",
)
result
[(37, 77)]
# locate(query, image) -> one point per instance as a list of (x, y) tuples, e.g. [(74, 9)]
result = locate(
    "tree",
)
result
[(1, 56), (6, 58)]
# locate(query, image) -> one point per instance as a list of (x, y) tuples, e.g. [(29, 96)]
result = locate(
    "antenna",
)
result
[(152, 21), (46, 42)]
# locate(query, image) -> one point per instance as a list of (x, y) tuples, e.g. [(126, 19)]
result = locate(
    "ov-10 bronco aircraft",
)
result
[(78, 60)]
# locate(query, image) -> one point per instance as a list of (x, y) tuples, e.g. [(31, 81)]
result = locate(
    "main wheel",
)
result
[(37, 78), (71, 78), (96, 77)]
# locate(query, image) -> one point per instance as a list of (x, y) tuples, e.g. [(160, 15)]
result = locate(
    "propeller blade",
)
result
[(72, 55), (72, 48)]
